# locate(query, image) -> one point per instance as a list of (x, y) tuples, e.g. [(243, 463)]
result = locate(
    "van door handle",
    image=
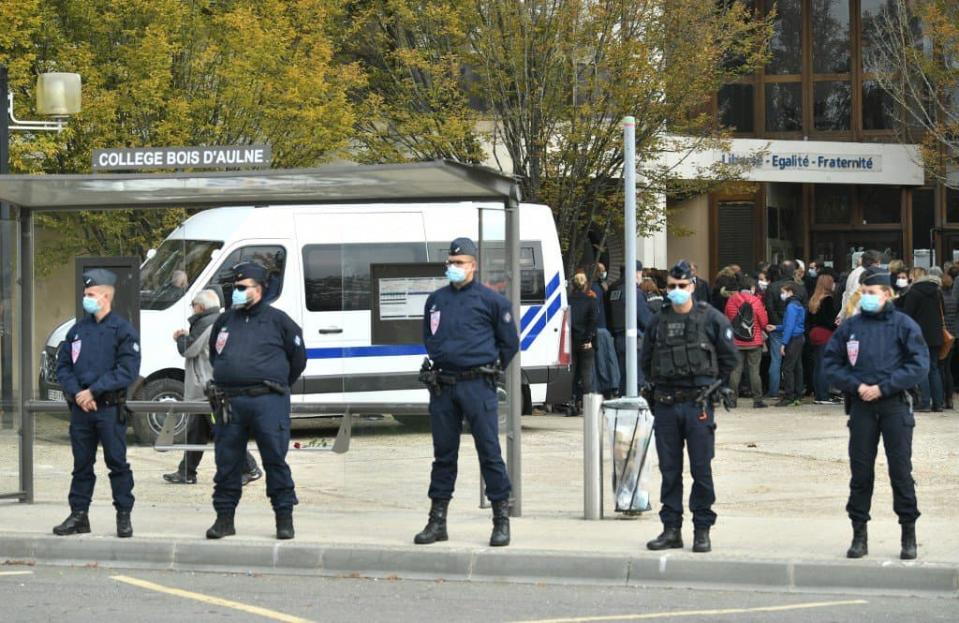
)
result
[(329, 330)]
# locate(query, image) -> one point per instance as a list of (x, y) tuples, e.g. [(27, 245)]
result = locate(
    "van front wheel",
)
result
[(147, 426)]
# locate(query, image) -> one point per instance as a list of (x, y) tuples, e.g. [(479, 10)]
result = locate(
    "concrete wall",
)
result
[(691, 215)]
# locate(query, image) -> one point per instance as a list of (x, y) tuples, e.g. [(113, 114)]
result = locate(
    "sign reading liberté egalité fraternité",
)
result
[(227, 157)]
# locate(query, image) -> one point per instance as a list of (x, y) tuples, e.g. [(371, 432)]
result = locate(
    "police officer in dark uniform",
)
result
[(875, 357), (468, 330), (257, 353), (617, 320), (96, 363), (688, 347)]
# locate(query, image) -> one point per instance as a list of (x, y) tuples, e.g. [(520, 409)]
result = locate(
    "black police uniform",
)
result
[(250, 347), (617, 323), (884, 348), (682, 354), (464, 329), (104, 357)]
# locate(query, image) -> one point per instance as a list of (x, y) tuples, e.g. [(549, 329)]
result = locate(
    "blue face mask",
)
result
[(239, 298), (811, 272), (456, 274), (91, 305), (869, 303), (678, 297)]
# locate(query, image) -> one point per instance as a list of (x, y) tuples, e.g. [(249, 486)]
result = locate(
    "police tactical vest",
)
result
[(683, 349), (617, 309)]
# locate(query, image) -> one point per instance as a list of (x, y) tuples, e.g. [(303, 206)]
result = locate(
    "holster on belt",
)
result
[(219, 402), (116, 399)]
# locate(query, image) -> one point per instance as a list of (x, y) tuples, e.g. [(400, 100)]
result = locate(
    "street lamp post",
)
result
[(58, 95)]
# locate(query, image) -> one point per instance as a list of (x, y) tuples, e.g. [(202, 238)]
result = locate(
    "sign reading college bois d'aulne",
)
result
[(138, 158)]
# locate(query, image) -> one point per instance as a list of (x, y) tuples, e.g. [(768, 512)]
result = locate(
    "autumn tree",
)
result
[(915, 53), (176, 72), (549, 82)]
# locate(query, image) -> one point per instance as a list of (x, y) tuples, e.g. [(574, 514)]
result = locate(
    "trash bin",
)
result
[(629, 425)]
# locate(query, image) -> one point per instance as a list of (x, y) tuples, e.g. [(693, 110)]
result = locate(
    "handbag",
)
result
[(819, 336), (947, 338)]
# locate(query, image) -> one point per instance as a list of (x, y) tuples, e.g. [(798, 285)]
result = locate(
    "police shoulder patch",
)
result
[(507, 317), (296, 340), (729, 334), (136, 347)]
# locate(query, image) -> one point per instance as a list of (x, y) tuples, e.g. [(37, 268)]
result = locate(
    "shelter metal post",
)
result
[(592, 456), (6, 281), (629, 276), (25, 331), (514, 374)]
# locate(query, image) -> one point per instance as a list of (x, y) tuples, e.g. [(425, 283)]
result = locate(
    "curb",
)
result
[(484, 565)]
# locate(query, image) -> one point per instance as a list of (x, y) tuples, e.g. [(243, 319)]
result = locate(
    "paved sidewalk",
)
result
[(781, 478)]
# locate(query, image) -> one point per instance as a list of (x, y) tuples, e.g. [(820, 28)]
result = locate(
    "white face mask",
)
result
[(902, 283), (763, 285), (784, 296)]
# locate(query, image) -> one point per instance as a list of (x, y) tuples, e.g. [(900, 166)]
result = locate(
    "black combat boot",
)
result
[(908, 551), (500, 535), (671, 538), (223, 526), (701, 542), (284, 526), (77, 523), (435, 529), (124, 525), (860, 541)]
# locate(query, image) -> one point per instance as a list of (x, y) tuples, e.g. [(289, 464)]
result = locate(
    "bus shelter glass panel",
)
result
[(10, 416)]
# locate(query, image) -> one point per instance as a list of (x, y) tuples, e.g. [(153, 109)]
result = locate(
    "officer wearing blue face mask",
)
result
[(875, 357), (96, 363), (257, 354), (688, 346), (468, 329)]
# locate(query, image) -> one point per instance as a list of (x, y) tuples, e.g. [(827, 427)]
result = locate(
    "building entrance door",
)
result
[(836, 248)]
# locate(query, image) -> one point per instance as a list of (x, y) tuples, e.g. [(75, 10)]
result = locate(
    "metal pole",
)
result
[(629, 235), (514, 376), (592, 458), (6, 261), (25, 331)]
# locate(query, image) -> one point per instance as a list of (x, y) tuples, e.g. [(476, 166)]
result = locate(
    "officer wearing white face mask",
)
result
[(875, 358)]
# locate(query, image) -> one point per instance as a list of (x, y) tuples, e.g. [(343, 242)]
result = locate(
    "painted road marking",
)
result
[(16, 573), (700, 613), (207, 599)]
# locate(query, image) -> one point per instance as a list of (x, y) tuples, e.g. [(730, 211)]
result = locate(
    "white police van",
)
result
[(319, 258)]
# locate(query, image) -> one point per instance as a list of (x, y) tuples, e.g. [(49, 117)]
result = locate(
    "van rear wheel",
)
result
[(147, 426)]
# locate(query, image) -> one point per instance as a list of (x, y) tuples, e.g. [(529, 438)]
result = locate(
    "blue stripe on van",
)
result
[(399, 350)]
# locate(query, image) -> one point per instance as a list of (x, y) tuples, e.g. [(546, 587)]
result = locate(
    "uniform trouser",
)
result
[(607, 366), (775, 363), (199, 430), (619, 341), (792, 369), (474, 399), (675, 424), (86, 431), (584, 362), (750, 358), (893, 419), (267, 419)]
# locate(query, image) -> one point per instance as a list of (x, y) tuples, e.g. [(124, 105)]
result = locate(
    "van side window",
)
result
[(273, 257), (532, 282), (337, 277)]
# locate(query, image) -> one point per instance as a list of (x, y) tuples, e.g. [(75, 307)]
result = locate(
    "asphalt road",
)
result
[(44, 594)]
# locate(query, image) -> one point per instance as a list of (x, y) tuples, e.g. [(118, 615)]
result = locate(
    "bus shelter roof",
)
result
[(426, 181)]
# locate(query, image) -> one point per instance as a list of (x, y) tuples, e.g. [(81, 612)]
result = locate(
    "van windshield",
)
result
[(165, 277)]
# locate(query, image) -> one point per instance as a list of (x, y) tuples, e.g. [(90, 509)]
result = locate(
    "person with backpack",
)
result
[(792, 339), (747, 314)]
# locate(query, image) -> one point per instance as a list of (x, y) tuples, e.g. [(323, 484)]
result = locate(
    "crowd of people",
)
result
[(782, 316)]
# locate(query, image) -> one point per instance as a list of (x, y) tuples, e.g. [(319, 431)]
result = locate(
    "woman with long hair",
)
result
[(822, 323), (583, 318)]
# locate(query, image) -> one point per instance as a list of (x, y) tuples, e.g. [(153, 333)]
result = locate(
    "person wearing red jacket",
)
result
[(751, 350)]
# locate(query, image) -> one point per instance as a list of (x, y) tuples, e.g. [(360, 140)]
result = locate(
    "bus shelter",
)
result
[(330, 197)]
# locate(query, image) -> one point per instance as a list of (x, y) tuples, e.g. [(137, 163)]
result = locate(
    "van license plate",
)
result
[(55, 394)]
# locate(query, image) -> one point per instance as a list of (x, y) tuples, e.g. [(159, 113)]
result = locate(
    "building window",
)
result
[(830, 36), (923, 216), (952, 205), (784, 107), (880, 204), (878, 107), (832, 106), (786, 44), (736, 107), (833, 204)]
